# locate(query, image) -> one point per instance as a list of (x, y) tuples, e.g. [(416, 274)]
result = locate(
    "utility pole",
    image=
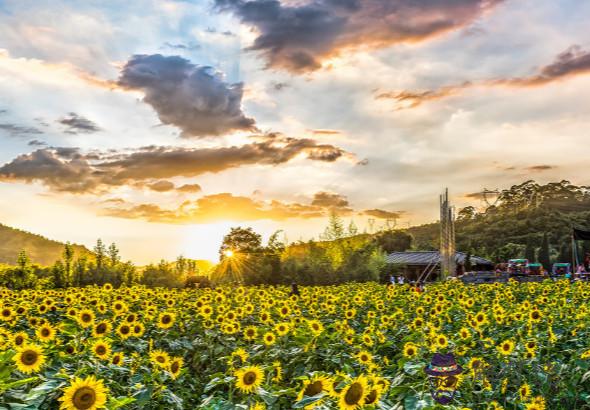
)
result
[(447, 237)]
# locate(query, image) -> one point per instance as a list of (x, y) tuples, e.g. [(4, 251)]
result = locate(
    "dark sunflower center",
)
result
[(101, 328), (19, 340), (101, 349), (174, 367), (249, 378), (29, 357), (506, 347), (371, 397), (166, 319), (160, 359), (410, 352), (313, 388), (354, 394), (116, 359), (86, 317), (84, 398), (6, 312), (45, 332), (125, 330)]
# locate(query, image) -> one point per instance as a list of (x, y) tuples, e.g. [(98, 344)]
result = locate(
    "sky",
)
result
[(159, 125)]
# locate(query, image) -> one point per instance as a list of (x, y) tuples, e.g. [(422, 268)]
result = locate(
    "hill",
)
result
[(40, 250), (516, 226)]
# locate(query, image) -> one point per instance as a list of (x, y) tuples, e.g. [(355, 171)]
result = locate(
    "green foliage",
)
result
[(39, 249), (524, 212), (394, 241)]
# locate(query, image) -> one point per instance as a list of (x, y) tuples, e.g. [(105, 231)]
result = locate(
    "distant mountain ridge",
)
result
[(40, 250)]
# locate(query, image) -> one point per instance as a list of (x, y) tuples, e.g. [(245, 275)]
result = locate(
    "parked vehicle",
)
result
[(517, 267), (535, 269)]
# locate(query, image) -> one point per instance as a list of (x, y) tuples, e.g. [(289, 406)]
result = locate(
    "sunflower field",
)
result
[(352, 346)]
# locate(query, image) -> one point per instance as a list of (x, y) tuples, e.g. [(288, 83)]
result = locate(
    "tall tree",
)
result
[(544, 252), (242, 241), (68, 260), (100, 254), (529, 250), (113, 254)]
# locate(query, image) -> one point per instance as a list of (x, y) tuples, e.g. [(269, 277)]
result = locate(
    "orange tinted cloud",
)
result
[(572, 62)]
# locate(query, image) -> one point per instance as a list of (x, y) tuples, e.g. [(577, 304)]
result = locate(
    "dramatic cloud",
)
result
[(18, 131), (572, 62), (76, 124), (70, 170), (194, 98), (225, 206), (299, 36), (382, 214)]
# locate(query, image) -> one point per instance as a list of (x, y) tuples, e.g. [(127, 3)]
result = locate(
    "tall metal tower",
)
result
[(447, 237)]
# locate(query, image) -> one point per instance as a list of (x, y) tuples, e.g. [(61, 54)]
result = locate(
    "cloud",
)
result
[(572, 62), (382, 214), (325, 132), (539, 168), (329, 200), (161, 186), (225, 206), (189, 188), (36, 143), (71, 170), (194, 98), (76, 124), (188, 47), (17, 131), (300, 36)]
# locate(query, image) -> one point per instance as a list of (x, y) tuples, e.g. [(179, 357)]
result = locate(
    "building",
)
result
[(425, 265)]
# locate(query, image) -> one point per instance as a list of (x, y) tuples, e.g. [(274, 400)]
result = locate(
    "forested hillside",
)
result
[(40, 250), (518, 224)]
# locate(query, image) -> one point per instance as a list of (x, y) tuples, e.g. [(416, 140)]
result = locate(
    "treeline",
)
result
[(104, 265), (341, 256)]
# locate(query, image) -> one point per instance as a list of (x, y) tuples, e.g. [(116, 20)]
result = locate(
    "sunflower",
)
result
[(269, 338), (316, 327), (175, 366), (46, 332), (138, 329), (248, 379), (314, 386), (85, 318), (441, 341), (535, 315), (19, 338), (84, 394), (282, 328), (29, 358), (506, 347), (250, 333), (6, 314), (101, 329), (374, 395), (364, 357), (538, 403), (354, 394), (101, 349), (124, 331), (160, 358), (524, 391), (166, 320), (117, 359), (278, 372), (410, 350)]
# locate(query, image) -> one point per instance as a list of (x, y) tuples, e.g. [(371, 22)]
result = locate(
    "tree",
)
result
[(529, 250), (394, 241), (68, 268), (100, 254), (113, 254), (544, 252), (352, 229), (335, 228), (467, 213), (240, 241)]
